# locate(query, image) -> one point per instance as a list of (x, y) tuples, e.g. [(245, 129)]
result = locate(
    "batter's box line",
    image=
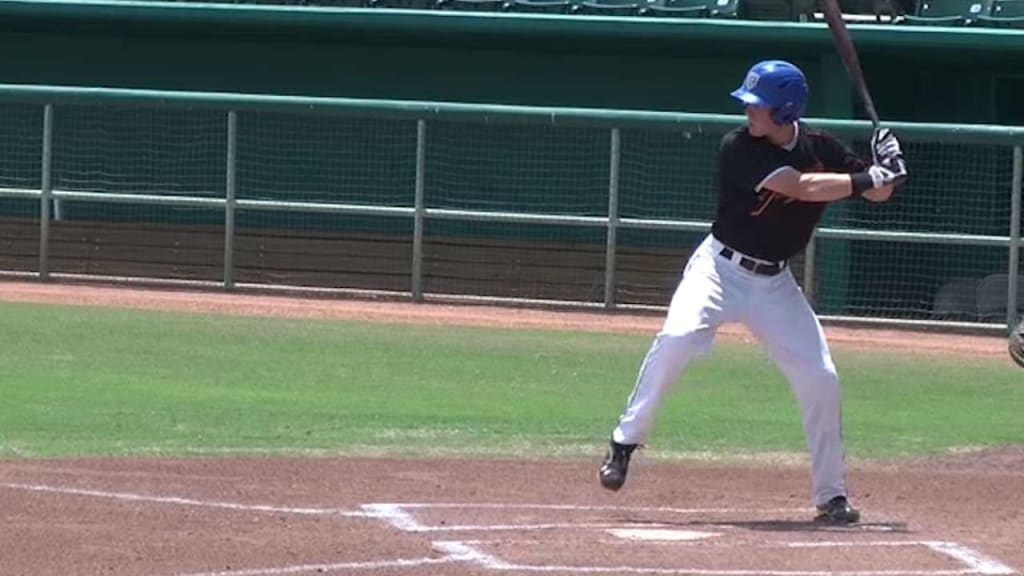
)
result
[(179, 501), (398, 515), (977, 564)]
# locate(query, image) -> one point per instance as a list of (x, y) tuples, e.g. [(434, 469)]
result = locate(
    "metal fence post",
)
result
[(46, 193), (420, 211), (230, 194), (1015, 215), (613, 218)]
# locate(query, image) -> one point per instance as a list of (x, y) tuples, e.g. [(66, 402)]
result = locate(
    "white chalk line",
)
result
[(717, 543), (468, 553), (398, 518), (465, 550), (827, 544), (323, 568), (394, 515), (977, 563), (980, 563), (127, 496), (499, 506)]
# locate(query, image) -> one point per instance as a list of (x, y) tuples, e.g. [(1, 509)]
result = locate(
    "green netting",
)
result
[(309, 158), (953, 188), (323, 250), (139, 150), (650, 263), (668, 175), (176, 244), (911, 281), (483, 165), (19, 234), (514, 261), (503, 168), (21, 145)]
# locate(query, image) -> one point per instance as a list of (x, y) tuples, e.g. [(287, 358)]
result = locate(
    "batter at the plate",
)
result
[(776, 175)]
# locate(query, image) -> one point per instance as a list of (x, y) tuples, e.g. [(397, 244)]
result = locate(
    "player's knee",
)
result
[(690, 343), (825, 373)]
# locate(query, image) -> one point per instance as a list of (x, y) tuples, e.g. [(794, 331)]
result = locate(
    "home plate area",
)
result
[(703, 541)]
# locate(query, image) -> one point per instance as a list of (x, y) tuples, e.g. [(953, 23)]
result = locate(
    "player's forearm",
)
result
[(830, 186), (880, 194), (823, 187)]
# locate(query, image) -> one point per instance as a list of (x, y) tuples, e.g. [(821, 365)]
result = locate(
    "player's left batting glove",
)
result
[(884, 146)]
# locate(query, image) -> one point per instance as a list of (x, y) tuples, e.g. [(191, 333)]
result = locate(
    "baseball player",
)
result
[(776, 175)]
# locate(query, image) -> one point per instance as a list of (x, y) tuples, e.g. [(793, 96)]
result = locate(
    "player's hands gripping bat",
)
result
[(885, 148)]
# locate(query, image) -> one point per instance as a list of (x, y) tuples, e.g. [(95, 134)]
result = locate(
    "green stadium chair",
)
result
[(1005, 14), (541, 6), (802, 10), (609, 7), (340, 3), (993, 296), (724, 8), (903, 7), (948, 12), (875, 8), (870, 11), (957, 300), (476, 5), (405, 4), (677, 9)]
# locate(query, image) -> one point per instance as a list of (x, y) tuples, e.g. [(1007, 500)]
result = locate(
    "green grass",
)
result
[(97, 381)]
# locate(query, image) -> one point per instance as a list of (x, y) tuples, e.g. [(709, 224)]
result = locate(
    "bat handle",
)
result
[(869, 107)]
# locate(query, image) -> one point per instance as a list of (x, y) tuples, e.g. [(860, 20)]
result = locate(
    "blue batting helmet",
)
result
[(778, 85)]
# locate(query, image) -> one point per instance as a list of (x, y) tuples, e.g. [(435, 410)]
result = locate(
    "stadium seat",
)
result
[(1005, 13), (957, 300), (609, 7), (541, 6), (724, 8), (475, 5), (992, 296), (900, 7), (948, 12), (857, 10), (677, 9), (339, 3), (777, 9), (405, 4)]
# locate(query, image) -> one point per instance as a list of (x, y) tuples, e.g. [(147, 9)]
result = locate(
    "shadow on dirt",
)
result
[(789, 526)]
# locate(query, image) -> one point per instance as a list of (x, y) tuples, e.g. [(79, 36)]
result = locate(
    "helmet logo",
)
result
[(751, 81)]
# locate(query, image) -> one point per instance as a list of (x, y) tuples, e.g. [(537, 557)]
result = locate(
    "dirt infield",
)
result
[(278, 516), (284, 516)]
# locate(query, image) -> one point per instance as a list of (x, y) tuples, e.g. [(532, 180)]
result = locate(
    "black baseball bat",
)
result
[(844, 45)]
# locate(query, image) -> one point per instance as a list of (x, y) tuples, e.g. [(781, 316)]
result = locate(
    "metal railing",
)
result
[(51, 97)]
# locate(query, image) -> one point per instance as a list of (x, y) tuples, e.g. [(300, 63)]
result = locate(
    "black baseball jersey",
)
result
[(762, 223)]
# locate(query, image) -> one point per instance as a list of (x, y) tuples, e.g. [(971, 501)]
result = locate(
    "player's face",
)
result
[(759, 121)]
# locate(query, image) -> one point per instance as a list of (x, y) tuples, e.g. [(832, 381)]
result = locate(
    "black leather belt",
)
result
[(754, 266)]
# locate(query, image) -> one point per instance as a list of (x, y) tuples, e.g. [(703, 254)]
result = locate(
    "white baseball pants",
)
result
[(716, 291)]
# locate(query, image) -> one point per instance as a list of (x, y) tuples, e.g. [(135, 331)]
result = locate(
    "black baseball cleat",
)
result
[(837, 511), (616, 465)]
